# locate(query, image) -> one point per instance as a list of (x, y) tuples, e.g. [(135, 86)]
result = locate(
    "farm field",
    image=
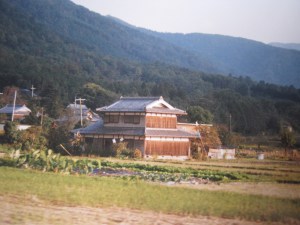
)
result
[(251, 191)]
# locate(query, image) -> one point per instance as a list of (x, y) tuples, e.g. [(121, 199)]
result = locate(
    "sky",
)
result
[(262, 20)]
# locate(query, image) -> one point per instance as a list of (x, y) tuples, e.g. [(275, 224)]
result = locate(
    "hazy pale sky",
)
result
[(261, 20)]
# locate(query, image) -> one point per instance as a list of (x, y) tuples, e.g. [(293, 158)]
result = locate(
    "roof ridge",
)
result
[(140, 98)]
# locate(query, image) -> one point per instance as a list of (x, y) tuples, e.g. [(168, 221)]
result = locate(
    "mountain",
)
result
[(109, 36), (105, 35), (65, 51), (241, 57), (292, 46)]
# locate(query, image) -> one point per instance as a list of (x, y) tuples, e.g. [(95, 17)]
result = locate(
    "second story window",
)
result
[(132, 119), (111, 119)]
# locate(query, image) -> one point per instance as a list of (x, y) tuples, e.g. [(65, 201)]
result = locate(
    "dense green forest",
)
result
[(238, 56), (61, 67), (200, 52)]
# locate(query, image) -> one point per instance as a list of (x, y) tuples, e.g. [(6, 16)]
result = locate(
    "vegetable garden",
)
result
[(48, 161)]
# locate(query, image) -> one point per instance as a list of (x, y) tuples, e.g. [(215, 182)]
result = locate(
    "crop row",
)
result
[(46, 160)]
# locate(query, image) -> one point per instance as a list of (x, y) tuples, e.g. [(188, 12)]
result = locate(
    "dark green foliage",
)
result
[(59, 135), (251, 58), (46, 160), (52, 100), (197, 113), (168, 173), (12, 135), (64, 51), (96, 95)]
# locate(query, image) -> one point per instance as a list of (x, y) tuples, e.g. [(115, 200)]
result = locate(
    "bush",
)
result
[(12, 135), (137, 154), (120, 148)]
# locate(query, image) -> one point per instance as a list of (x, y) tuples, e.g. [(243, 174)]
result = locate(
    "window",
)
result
[(111, 119), (132, 119), (114, 118)]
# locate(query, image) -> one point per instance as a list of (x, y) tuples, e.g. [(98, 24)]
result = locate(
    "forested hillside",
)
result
[(61, 65), (104, 35), (241, 57), (201, 52)]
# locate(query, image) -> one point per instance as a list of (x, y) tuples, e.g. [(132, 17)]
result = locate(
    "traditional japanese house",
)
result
[(19, 111), (145, 123), (77, 112)]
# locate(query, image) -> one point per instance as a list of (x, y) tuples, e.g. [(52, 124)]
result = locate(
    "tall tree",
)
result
[(287, 138)]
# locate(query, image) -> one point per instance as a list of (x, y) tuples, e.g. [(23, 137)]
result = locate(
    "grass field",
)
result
[(95, 191), (232, 192)]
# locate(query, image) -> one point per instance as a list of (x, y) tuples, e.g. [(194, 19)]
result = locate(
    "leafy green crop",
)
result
[(168, 173), (46, 160)]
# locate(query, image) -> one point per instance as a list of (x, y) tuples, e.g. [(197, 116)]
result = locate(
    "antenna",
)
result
[(13, 111), (80, 100), (230, 123), (32, 89)]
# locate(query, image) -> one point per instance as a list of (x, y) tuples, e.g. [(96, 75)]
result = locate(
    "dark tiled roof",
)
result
[(167, 111), (133, 104), (18, 109), (76, 114), (99, 129), (169, 133), (77, 107)]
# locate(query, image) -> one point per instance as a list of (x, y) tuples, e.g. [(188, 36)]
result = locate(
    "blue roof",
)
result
[(141, 104), (130, 104), (98, 129), (8, 109)]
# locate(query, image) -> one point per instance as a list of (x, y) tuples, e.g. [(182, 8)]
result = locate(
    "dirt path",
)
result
[(291, 191), (32, 211)]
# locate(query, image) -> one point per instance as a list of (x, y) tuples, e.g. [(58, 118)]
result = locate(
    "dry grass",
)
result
[(84, 191), (32, 210)]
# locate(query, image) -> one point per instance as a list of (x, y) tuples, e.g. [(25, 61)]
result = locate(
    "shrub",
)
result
[(137, 154), (12, 135)]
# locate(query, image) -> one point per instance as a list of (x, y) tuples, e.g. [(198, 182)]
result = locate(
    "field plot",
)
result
[(239, 192)]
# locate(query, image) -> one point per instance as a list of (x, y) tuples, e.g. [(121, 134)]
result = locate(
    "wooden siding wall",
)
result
[(103, 146), (139, 121), (171, 148), (161, 122)]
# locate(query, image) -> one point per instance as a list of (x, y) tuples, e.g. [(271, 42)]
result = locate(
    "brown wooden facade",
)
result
[(170, 148), (161, 121)]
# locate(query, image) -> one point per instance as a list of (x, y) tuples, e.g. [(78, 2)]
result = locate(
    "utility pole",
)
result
[(13, 111), (80, 100), (42, 116), (32, 89), (230, 123)]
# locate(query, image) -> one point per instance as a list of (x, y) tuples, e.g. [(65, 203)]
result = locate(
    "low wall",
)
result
[(167, 157), (19, 127), (221, 153)]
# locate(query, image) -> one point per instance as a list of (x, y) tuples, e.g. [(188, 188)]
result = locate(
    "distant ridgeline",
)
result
[(66, 50)]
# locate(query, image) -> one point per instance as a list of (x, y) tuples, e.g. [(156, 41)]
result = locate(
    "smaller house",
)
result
[(20, 111), (77, 112)]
